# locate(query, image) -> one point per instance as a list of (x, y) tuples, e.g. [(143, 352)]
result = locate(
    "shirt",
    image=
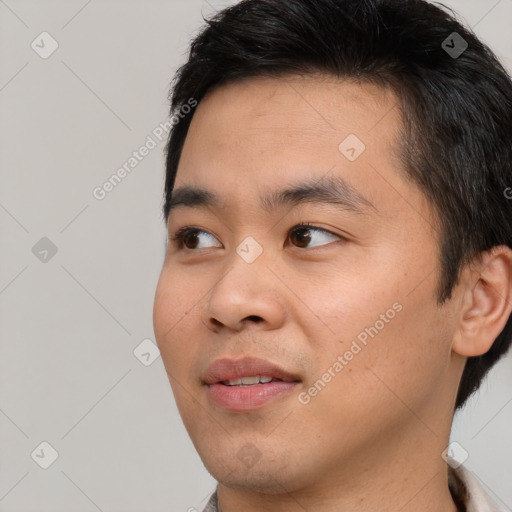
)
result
[(467, 493)]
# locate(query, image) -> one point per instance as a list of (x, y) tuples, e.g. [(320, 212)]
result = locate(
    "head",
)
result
[(408, 279)]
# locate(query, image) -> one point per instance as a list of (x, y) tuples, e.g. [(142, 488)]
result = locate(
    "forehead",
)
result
[(279, 113), (251, 136)]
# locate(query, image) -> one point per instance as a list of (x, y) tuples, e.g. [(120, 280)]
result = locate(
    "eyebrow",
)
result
[(333, 190)]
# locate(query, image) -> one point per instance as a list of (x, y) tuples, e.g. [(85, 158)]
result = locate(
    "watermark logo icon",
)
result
[(454, 45), (146, 352), (249, 249), (352, 147), (249, 454), (44, 45), (44, 455), (455, 455), (44, 250)]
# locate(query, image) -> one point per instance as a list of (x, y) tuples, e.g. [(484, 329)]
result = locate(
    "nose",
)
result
[(247, 294)]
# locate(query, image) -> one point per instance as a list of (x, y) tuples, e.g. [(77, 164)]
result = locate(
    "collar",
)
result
[(467, 493)]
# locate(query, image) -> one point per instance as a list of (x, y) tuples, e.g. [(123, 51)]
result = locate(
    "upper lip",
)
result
[(228, 369)]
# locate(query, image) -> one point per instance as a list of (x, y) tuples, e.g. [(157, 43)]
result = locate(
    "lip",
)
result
[(245, 398), (228, 369)]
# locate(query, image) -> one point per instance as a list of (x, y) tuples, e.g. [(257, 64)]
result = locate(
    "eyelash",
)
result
[(181, 233)]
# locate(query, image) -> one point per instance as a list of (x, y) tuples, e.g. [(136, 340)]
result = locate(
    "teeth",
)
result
[(248, 381), (234, 382)]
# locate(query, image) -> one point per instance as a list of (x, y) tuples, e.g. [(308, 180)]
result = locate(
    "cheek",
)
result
[(375, 385), (384, 340), (401, 367), (177, 349), (344, 306), (174, 314)]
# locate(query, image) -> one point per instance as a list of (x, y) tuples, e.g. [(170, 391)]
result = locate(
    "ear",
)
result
[(487, 301)]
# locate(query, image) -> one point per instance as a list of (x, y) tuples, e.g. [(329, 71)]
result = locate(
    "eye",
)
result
[(304, 233), (300, 235), (189, 237)]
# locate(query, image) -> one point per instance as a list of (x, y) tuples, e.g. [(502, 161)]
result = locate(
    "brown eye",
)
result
[(300, 236), (189, 238), (303, 234)]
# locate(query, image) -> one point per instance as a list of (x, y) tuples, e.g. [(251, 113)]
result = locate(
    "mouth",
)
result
[(248, 383)]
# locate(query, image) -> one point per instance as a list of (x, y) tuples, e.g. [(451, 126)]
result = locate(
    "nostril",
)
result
[(255, 318)]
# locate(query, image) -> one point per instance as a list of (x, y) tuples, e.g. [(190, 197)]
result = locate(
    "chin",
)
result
[(262, 474), (260, 480)]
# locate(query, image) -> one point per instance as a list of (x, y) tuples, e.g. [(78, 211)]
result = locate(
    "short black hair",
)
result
[(456, 141)]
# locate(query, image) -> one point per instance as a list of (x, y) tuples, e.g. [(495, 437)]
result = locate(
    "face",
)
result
[(340, 312)]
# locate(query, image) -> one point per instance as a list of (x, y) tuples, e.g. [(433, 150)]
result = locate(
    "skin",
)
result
[(372, 439)]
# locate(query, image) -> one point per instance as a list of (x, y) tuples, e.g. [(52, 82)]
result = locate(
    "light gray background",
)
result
[(69, 326)]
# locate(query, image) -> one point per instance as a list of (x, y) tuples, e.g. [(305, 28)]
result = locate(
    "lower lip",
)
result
[(245, 398)]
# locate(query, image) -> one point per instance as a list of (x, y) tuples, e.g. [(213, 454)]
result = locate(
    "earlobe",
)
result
[(487, 302)]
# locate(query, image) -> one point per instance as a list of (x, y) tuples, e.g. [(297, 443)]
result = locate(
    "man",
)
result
[(338, 277)]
